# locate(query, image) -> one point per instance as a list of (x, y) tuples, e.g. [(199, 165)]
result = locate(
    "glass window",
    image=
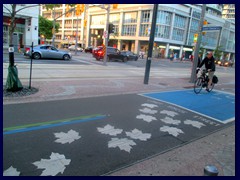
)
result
[(114, 18), (178, 34), (145, 16), (180, 21), (98, 20), (164, 17), (130, 17), (162, 31), (144, 29), (194, 24), (129, 30)]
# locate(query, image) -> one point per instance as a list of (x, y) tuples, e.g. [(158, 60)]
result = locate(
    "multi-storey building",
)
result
[(26, 30), (228, 11), (175, 28)]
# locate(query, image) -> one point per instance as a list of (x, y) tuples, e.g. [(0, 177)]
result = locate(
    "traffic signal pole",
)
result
[(196, 50), (150, 44), (106, 38)]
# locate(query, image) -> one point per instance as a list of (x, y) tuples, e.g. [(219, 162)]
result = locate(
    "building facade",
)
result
[(228, 11), (26, 30), (174, 33)]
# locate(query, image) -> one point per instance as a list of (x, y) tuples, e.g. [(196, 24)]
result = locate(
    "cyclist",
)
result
[(210, 67)]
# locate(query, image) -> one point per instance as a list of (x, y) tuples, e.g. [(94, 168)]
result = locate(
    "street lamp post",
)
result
[(76, 40)]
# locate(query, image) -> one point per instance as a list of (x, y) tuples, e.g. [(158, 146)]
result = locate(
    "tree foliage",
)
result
[(45, 27), (218, 53)]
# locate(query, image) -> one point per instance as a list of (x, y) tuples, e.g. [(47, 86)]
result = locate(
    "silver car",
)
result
[(47, 51), (72, 48)]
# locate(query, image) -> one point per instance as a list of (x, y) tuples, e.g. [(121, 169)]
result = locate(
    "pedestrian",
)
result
[(199, 60), (209, 63), (141, 54), (171, 56), (183, 56)]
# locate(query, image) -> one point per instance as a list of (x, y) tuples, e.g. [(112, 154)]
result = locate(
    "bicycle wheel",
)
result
[(198, 85), (210, 88)]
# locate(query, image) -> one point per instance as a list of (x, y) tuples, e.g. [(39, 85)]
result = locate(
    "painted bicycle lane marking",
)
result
[(51, 124), (217, 105)]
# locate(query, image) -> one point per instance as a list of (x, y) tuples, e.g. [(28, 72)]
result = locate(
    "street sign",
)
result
[(213, 28), (105, 34)]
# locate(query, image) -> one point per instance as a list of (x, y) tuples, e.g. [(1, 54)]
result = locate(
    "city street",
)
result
[(94, 119)]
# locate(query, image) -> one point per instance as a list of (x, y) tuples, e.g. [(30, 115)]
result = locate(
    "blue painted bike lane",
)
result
[(217, 105)]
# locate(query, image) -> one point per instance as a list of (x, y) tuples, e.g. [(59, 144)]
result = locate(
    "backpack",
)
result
[(215, 79)]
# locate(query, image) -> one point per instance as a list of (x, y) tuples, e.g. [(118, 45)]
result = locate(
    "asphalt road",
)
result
[(95, 136)]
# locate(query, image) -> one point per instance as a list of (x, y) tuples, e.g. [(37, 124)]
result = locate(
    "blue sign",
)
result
[(213, 28)]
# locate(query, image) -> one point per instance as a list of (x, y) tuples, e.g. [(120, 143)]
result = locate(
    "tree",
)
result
[(45, 27), (52, 7), (218, 53), (13, 83)]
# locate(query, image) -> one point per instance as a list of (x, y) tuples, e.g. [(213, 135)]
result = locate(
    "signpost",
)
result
[(212, 28)]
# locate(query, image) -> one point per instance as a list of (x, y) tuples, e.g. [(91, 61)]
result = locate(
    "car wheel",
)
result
[(36, 56), (125, 59), (66, 57), (136, 58)]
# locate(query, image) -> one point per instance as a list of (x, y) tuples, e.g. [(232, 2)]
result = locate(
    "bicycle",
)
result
[(202, 82)]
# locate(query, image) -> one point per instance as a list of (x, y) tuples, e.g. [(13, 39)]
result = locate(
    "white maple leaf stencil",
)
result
[(171, 130), (169, 113), (110, 130), (148, 111), (196, 124), (56, 164), (123, 143), (146, 118), (149, 105), (11, 171), (169, 120), (137, 134), (68, 137)]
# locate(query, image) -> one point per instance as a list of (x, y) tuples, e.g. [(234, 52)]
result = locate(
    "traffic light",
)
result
[(195, 38), (115, 6), (111, 28), (205, 22), (78, 10), (85, 23), (82, 8), (67, 9)]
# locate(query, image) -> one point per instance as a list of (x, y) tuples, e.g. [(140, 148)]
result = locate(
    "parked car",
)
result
[(226, 63), (98, 53), (72, 48), (115, 54), (47, 51), (95, 51), (123, 56), (88, 49)]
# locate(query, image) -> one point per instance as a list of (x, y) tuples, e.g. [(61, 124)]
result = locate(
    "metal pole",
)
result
[(150, 44), (30, 79), (76, 37), (54, 22), (106, 38), (199, 40)]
